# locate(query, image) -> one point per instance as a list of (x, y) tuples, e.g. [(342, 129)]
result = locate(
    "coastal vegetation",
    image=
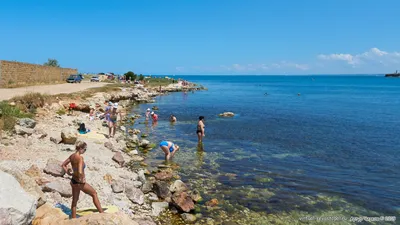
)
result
[(52, 62)]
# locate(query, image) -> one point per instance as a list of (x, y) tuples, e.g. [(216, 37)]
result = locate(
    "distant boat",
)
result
[(393, 74)]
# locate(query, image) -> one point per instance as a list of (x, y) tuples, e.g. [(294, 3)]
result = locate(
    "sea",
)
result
[(299, 148)]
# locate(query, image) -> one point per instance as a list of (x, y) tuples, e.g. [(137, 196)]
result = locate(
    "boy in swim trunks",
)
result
[(169, 149)]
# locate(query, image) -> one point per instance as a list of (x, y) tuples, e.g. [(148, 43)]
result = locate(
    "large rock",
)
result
[(161, 188), (69, 135), (117, 186), (16, 205), (178, 186), (23, 130), (61, 186), (137, 158), (27, 123), (158, 207), (227, 114), (135, 195), (147, 187), (47, 214), (28, 183), (53, 167), (142, 177), (118, 158), (183, 201)]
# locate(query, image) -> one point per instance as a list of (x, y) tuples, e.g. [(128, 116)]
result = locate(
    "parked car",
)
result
[(95, 79), (75, 78)]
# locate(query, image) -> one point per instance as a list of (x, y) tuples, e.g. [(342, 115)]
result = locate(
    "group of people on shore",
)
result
[(111, 112)]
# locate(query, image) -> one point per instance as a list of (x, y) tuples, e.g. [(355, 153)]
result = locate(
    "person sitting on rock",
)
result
[(78, 181), (172, 118), (169, 149)]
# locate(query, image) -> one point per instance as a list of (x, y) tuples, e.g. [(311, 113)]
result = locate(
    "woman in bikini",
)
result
[(78, 181), (169, 149), (200, 129)]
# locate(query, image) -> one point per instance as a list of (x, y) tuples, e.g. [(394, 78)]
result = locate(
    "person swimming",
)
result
[(78, 180), (172, 118), (169, 149)]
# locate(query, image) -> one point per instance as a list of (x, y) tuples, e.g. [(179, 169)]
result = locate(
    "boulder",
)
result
[(123, 128), (147, 187), (40, 133), (69, 135), (27, 123), (161, 188), (55, 140), (178, 186), (135, 195), (158, 207), (137, 184), (117, 186), (53, 167), (142, 177), (61, 186), (46, 214), (164, 175), (20, 130), (144, 143), (118, 158), (16, 205), (33, 172), (109, 146), (152, 196), (227, 114), (183, 201), (28, 182), (188, 218)]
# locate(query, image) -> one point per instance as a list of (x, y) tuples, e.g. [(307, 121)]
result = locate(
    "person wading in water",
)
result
[(200, 129)]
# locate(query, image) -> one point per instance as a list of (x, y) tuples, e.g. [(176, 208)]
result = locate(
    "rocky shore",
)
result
[(34, 183)]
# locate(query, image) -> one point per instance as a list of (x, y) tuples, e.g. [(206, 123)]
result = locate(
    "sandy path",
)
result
[(7, 93)]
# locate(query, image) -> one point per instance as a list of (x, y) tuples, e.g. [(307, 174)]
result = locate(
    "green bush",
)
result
[(8, 115)]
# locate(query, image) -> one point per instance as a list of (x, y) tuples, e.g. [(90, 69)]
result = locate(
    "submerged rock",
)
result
[(227, 114), (164, 175), (213, 202), (195, 195), (188, 218), (158, 207), (144, 143)]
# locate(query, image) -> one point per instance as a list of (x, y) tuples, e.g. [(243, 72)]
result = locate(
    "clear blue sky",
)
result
[(205, 37)]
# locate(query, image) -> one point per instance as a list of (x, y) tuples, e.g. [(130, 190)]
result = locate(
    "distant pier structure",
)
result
[(393, 74)]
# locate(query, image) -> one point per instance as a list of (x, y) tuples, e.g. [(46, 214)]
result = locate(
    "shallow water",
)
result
[(332, 150)]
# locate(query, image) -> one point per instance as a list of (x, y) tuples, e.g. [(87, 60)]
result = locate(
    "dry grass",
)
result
[(156, 82), (31, 101)]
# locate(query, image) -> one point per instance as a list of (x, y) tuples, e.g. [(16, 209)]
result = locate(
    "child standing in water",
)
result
[(200, 129)]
